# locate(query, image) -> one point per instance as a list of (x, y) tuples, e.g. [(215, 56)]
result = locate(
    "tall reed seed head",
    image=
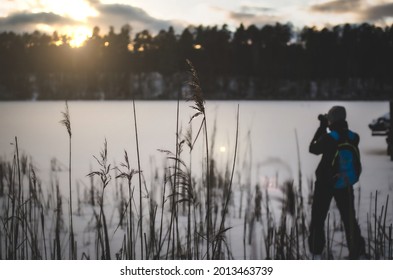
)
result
[(103, 172), (196, 91), (66, 120)]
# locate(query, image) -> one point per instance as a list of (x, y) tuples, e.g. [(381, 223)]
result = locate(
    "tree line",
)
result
[(272, 61)]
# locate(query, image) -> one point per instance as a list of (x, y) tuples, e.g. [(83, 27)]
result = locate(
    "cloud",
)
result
[(360, 10), (378, 12), (255, 9), (249, 19), (25, 21), (337, 6), (255, 15), (119, 14), (115, 15)]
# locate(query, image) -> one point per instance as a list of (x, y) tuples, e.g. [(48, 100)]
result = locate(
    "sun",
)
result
[(78, 36), (77, 13)]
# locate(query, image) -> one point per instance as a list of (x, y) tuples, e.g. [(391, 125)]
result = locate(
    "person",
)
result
[(323, 143)]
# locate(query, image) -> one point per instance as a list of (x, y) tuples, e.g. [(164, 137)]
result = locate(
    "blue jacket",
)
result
[(325, 145)]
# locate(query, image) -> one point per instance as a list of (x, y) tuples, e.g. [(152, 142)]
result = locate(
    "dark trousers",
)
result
[(344, 198)]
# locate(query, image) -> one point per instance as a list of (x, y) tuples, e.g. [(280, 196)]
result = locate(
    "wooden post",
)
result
[(390, 136)]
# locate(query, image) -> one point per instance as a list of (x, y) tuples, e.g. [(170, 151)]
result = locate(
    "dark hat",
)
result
[(336, 113)]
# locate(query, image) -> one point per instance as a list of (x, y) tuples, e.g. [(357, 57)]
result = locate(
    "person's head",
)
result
[(335, 114)]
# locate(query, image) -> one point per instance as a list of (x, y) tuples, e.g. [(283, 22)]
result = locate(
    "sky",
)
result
[(77, 18)]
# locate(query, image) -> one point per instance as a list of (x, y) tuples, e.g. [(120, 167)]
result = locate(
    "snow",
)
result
[(267, 156)]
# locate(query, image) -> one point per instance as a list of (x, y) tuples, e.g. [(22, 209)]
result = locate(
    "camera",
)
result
[(323, 120), (322, 117)]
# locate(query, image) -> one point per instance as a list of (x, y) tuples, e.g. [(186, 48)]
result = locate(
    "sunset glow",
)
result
[(78, 10), (64, 16), (79, 36)]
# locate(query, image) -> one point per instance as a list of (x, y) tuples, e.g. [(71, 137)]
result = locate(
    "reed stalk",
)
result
[(188, 140), (57, 244), (67, 123), (222, 229), (176, 183), (105, 177), (140, 179), (199, 106), (128, 174)]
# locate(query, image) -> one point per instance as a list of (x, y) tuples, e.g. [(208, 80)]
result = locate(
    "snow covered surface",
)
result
[(267, 153)]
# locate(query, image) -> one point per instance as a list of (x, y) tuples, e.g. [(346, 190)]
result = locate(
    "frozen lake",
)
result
[(266, 136), (267, 148)]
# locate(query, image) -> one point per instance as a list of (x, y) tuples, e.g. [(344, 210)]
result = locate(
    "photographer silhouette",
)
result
[(336, 173)]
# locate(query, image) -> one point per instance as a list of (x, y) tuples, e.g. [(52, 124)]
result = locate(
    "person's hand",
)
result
[(323, 121)]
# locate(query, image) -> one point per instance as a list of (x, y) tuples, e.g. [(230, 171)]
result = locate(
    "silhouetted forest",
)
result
[(270, 62)]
